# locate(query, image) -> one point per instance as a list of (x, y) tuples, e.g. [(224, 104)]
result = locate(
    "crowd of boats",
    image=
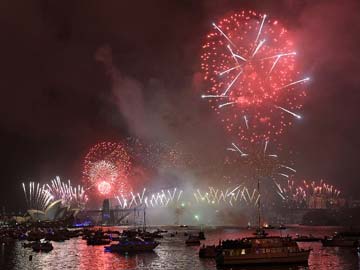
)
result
[(257, 249)]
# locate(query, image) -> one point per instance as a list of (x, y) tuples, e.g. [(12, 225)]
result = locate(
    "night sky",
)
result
[(77, 72)]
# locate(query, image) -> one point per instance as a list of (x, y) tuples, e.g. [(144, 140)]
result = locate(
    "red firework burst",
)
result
[(106, 169), (249, 63)]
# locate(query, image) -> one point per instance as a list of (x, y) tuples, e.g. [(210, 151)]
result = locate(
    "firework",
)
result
[(174, 197), (249, 63), (259, 161), (230, 196), (161, 198), (68, 194), (37, 196), (310, 194), (261, 164), (106, 169)]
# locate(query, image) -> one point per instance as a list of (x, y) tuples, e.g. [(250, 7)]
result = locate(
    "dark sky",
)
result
[(77, 72)]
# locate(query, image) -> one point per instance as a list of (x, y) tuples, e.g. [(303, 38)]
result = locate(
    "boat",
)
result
[(338, 241), (154, 235), (56, 237), (130, 233), (342, 239), (94, 241), (261, 250), (208, 251), (306, 238), (42, 246), (355, 235), (192, 241), (268, 226), (202, 235), (132, 244), (260, 232)]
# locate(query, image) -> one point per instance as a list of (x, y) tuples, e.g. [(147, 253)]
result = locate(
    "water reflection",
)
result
[(170, 254)]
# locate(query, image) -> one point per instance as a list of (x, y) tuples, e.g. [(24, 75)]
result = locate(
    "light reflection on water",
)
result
[(170, 254)]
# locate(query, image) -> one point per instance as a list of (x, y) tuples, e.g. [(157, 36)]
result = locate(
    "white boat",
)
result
[(261, 249), (132, 244), (265, 250)]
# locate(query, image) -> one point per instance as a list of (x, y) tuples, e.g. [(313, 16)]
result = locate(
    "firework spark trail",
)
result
[(236, 188), (260, 28), (235, 56), (246, 122), (179, 196), (231, 84), (237, 194), (261, 43), (213, 96), (172, 196), (274, 64), (279, 187), (296, 82), (279, 55), (38, 198), (250, 197), (133, 199), (142, 195), (226, 104), (281, 195), (242, 195), (265, 147), (238, 149), (257, 199), (277, 58), (285, 175), (26, 198), (287, 167), (228, 70), (222, 33), (289, 112)]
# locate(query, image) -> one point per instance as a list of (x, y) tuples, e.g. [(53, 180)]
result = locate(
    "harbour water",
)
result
[(172, 253)]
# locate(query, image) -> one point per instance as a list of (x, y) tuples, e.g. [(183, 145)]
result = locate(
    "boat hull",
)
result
[(131, 248), (307, 239), (339, 243), (283, 258)]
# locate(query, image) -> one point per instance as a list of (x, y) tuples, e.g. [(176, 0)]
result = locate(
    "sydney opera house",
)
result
[(55, 211)]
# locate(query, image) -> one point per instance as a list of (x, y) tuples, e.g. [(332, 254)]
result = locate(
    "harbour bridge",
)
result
[(114, 216)]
